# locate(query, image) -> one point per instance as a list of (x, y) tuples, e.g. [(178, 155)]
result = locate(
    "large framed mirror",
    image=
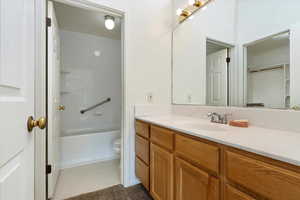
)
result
[(237, 53)]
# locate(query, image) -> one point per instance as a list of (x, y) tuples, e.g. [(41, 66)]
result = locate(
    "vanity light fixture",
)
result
[(194, 5), (109, 22), (198, 3), (185, 13), (178, 11)]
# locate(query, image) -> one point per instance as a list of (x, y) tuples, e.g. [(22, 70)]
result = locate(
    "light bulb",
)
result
[(178, 11), (191, 2), (109, 22)]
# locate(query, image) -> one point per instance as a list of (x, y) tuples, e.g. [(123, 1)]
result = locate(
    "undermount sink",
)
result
[(206, 127)]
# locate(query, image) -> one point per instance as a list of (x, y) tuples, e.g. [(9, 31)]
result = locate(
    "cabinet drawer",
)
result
[(234, 194), (142, 129), (142, 149), (142, 172), (162, 137), (205, 155), (266, 180)]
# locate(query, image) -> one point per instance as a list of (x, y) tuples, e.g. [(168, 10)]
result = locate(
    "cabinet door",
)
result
[(161, 173), (234, 194), (193, 183)]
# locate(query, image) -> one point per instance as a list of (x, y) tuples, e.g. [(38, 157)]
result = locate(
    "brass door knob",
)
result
[(31, 123), (61, 107)]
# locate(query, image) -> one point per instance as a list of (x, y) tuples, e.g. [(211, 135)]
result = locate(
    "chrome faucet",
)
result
[(218, 118)]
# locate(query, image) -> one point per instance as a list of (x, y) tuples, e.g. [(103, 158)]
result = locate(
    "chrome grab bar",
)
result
[(94, 106)]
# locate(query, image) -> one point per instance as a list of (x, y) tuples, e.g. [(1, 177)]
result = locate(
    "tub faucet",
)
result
[(218, 118)]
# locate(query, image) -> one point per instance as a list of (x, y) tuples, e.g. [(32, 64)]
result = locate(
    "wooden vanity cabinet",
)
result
[(183, 167)]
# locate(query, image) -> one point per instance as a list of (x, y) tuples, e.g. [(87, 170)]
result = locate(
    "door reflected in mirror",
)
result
[(217, 64)]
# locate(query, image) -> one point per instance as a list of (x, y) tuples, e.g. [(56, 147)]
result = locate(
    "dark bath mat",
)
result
[(117, 192)]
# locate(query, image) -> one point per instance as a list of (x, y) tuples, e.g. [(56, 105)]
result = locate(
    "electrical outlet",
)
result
[(149, 97), (189, 98)]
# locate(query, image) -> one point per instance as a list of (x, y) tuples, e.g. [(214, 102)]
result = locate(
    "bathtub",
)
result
[(86, 146)]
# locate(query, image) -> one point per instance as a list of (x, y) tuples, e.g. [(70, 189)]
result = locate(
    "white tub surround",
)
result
[(281, 145), (91, 73), (89, 148)]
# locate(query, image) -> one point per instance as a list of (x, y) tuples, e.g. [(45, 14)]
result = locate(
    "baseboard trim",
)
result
[(86, 162), (135, 182)]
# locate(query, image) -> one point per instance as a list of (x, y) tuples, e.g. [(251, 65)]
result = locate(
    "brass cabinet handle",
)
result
[(31, 123), (61, 107)]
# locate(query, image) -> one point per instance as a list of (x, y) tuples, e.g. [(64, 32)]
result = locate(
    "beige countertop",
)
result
[(279, 145)]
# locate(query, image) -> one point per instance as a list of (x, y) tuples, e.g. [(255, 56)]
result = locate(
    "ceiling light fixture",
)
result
[(109, 22)]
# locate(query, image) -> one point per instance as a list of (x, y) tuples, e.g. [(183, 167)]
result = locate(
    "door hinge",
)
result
[(48, 21), (48, 169), (228, 59)]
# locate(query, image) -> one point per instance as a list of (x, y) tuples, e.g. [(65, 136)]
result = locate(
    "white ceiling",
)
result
[(85, 21)]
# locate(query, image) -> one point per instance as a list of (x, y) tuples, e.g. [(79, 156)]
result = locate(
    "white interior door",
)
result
[(17, 70), (53, 100), (217, 78)]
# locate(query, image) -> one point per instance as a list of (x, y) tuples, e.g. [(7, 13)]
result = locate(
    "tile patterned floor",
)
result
[(88, 178), (117, 192)]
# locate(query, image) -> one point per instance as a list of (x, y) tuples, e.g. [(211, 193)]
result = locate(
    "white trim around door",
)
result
[(40, 99)]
